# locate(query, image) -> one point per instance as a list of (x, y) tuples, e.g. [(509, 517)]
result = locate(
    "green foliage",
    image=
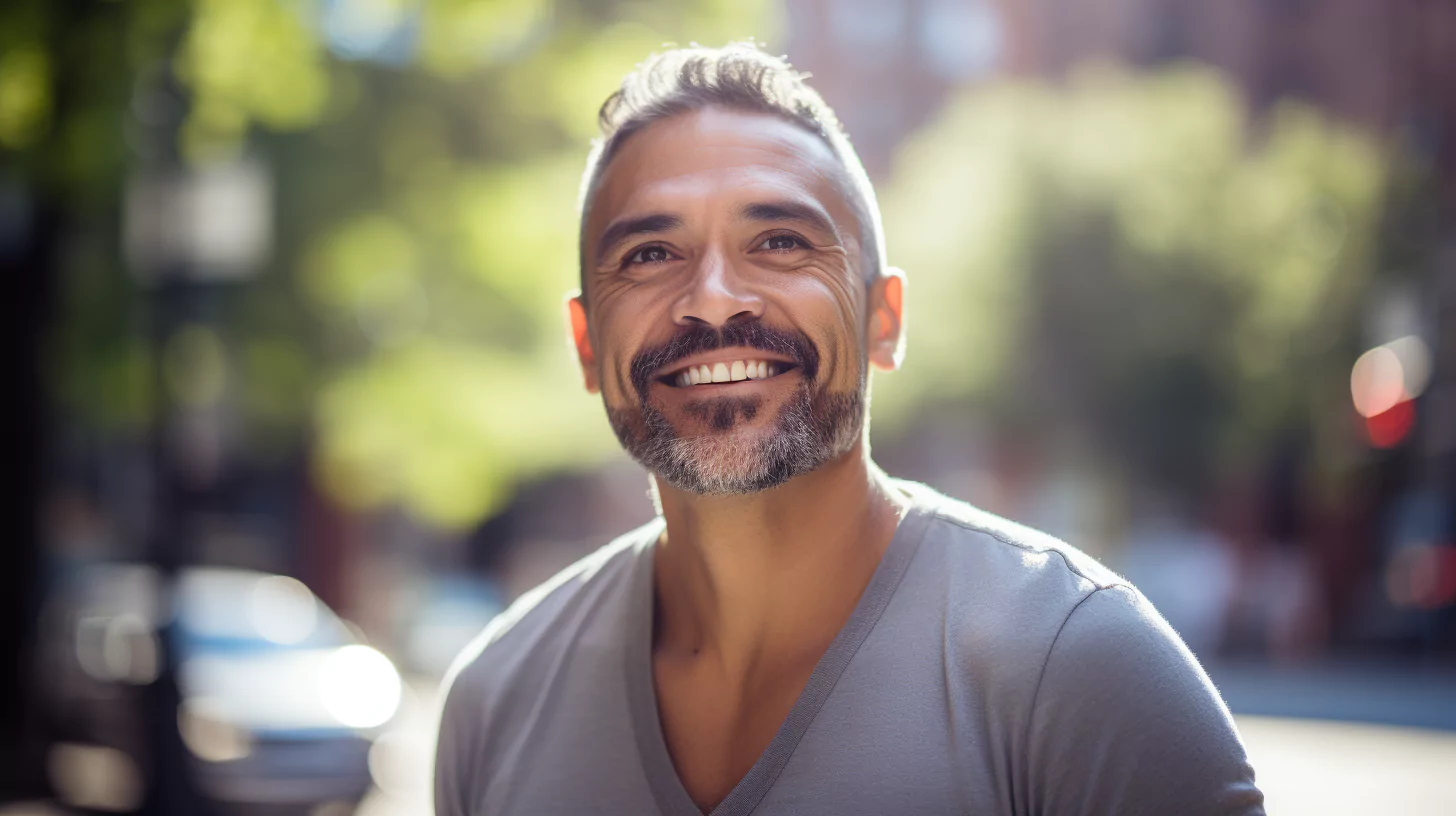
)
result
[(445, 279), (1134, 258), (249, 61), (25, 100)]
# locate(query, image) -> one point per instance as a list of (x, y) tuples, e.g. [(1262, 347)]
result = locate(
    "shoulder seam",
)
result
[(1021, 546), (1046, 661)]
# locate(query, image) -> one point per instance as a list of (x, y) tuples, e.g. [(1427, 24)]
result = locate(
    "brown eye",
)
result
[(782, 243), (649, 255)]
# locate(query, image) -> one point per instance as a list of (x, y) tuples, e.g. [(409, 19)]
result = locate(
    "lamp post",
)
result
[(191, 233)]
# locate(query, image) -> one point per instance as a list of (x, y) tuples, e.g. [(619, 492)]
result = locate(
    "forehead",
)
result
[(695, 160)]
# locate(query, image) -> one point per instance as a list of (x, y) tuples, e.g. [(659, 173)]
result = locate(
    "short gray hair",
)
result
[(739, 77)]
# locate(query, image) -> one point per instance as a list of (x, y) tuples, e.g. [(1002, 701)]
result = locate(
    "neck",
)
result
[(739, 577)]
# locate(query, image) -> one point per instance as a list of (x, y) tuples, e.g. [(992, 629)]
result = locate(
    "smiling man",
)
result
[(797, 632)]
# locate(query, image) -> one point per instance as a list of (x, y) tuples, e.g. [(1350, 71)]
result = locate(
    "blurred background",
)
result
[(294, 416)]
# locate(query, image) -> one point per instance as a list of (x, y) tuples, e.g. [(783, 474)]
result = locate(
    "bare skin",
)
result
[(749, 589)]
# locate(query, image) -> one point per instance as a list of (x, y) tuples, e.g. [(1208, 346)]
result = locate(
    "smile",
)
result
[(726, 372)]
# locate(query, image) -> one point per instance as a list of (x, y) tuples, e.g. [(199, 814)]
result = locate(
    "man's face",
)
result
[(726, 318)]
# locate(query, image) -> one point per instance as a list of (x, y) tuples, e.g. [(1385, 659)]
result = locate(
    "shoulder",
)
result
[(1007, 590), (1037, 589), (547, 636), (964, 534), (546, 620), (1094, 685), (1125, 719)]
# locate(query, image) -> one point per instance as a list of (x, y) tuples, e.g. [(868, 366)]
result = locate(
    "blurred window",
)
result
[(869, 29), (961, 38)]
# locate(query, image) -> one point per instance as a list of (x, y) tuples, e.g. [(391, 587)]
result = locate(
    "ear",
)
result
[(886, 338), (581, 339)]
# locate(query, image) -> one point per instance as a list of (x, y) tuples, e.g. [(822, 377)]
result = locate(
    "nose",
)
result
[(716, 295)]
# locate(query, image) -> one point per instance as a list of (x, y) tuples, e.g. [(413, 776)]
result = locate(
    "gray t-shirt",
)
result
[(987, 669)]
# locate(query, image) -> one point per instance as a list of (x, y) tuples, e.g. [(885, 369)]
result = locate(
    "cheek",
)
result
[(836, 279), (629, 319), (830, 307)]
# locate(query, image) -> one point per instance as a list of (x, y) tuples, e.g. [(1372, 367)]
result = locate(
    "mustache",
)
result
[(697, 338)]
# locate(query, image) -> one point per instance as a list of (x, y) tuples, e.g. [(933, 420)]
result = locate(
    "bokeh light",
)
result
[(360, 687), (1377, 382), (282, 609), (1384, 383)]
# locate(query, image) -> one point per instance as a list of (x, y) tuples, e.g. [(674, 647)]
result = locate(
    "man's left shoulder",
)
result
[(1012, 591), (969, 539)]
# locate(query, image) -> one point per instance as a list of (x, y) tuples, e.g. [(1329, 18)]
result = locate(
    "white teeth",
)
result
[(726, 372)]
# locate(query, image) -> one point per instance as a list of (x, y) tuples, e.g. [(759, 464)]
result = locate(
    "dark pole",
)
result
[(170, 786), (27, 255)]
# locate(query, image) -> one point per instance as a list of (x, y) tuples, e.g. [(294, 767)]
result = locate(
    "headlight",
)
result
[(359, 687)]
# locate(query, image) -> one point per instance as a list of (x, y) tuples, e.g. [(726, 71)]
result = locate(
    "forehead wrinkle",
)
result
[(676, 204), (798, 179), (763, 193)]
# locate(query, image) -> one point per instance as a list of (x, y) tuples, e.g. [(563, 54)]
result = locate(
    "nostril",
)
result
[(745, 316)]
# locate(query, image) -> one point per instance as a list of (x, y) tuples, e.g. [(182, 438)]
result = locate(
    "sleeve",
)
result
[(455, 753), (1124, 721)]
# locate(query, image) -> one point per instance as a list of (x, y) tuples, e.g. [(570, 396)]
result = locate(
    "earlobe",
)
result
[(581, 340), (886, 339)]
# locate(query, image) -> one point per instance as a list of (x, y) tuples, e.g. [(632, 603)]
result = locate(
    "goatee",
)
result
[(813, 427)]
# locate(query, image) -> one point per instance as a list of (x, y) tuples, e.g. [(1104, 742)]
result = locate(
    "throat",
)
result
[(717, 726)]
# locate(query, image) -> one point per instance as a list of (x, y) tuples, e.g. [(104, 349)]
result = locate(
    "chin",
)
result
[(744, 460), (731, 447)]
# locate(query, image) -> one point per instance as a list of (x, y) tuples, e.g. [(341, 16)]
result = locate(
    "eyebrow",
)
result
[(621, 230), (789, 211)]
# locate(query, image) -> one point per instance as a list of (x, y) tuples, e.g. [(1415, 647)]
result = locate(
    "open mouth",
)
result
[(725, 372)]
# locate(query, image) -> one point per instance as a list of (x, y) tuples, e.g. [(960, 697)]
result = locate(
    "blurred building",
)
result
[(1382, 64)]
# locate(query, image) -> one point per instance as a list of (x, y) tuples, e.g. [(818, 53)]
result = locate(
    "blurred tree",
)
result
[(424, 158), (1134, 259)]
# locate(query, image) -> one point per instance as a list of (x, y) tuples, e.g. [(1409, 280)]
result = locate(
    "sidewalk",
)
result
[(1324, 768)]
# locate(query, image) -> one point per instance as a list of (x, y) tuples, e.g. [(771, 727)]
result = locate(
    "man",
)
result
[(797, 632)]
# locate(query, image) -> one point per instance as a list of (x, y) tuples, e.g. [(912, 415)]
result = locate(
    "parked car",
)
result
[(280, 699)]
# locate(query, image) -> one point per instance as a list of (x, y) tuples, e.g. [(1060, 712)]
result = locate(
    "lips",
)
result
[(715, 355)]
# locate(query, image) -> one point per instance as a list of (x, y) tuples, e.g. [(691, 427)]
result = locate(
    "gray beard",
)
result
[(731, 460)]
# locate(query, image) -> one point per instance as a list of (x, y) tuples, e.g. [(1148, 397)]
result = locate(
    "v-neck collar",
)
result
[(667, 788)]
